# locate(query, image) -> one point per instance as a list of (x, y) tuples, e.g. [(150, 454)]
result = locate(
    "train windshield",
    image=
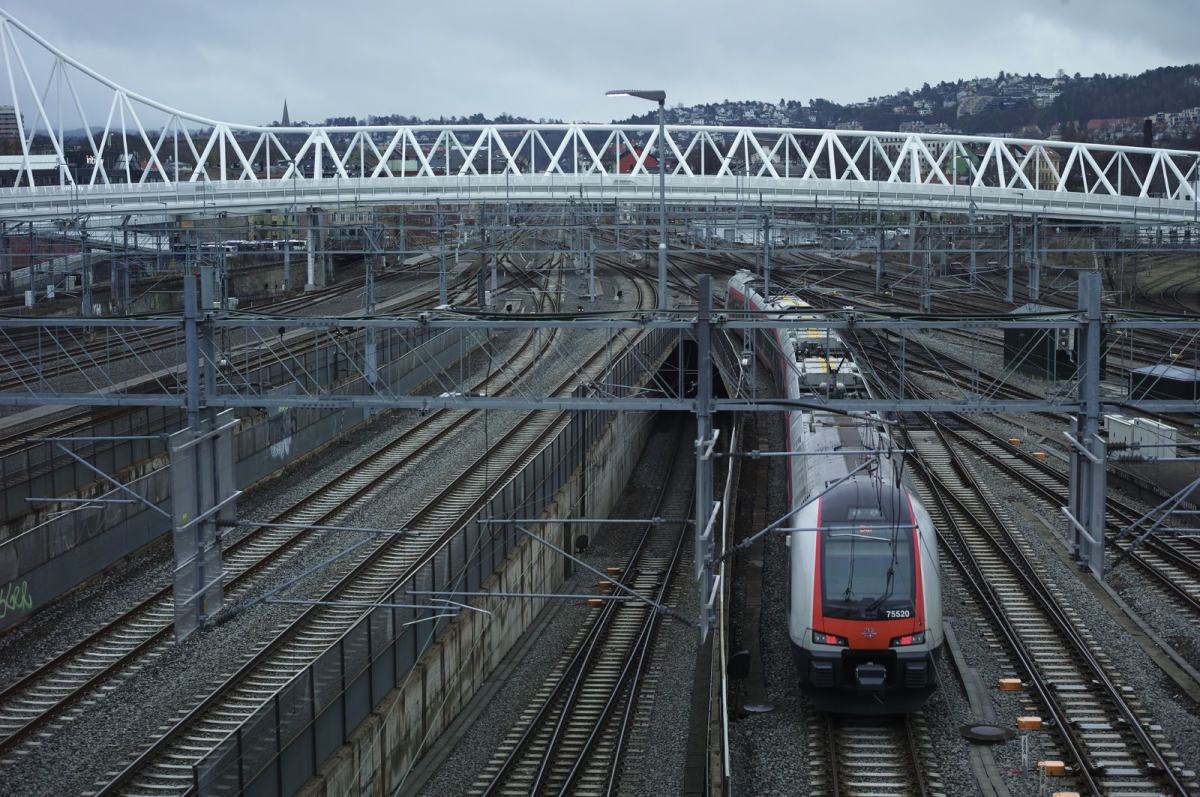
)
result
[(867, 571)]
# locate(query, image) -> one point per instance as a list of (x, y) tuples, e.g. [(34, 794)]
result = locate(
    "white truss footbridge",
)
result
[(143, 156)]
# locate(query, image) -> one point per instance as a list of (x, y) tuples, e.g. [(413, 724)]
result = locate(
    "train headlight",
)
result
[(830, 639), (908, 639)]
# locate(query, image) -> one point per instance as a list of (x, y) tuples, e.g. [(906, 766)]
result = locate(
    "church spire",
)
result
[(285, 121)]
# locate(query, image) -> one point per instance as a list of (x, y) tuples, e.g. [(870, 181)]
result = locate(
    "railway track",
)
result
[(91, 354), (70, 354), (74, 354), (572, 738), (166, 767), (1112, 743), (20, 438), (1172, 564), (877, 756), (52, 692), (970, 377), (1146, 348), (255, 357)]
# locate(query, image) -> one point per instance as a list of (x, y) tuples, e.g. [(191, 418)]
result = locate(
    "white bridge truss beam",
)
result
[(149, 154)]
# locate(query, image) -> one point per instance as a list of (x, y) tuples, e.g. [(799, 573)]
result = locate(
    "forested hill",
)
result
[(1166, 89)]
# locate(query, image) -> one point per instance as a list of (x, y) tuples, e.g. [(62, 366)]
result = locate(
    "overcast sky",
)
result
[(237, 61)]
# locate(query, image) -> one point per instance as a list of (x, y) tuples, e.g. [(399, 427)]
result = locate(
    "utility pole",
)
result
[(1008, 285), (663, 297), (6, 260), (944, 239), (706, 439), (927, 275), (1034, 264), (287, 260), (192, 344), (923, 232), (375, 238), (766, 227), (660, 97), (591, 256), (485, 242), (1088, 463), (617, 232), (912, 242), (443, 291), (86, 309), (201, 472), (114, 271), (973, 243), (878, 248), (207, 287), (310, 252)]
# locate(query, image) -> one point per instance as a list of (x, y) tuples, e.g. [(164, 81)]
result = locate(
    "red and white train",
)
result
[(864, 593)]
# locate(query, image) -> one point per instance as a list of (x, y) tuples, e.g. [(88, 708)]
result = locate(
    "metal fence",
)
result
[(294, 732)]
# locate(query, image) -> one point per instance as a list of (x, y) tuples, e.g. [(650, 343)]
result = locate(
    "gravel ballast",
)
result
[(557, 628), (142, 703)]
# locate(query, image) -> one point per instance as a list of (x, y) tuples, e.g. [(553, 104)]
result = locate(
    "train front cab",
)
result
[(868, 648), (850, 680)]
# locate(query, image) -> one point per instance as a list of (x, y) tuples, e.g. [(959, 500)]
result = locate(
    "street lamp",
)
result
[(655, 95)]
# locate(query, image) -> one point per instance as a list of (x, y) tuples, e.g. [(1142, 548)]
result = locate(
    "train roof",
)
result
[(865, 500)]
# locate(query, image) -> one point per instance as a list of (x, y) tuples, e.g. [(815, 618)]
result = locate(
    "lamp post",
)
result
[(656, 95)]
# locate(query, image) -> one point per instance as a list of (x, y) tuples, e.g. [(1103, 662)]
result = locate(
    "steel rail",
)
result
[(1020, 567), (1024, 569), (382, 583), (973, 573), (557, 704), (633, 676), (1114, 506), (873, 771), (330, 500), (914, 752), (101, 352), (19, 438), (572, 674), (1158, 543)]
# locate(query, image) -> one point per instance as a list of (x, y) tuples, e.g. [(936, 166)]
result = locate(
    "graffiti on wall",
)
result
[(281, 427), (15, 597)]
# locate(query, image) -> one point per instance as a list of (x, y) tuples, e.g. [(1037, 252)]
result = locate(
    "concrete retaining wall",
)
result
[(410, 718)]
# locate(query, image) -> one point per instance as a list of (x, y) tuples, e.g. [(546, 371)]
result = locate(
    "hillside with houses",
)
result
[(1102, 108)]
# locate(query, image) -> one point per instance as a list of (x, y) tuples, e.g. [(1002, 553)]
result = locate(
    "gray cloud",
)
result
[(237, 61)]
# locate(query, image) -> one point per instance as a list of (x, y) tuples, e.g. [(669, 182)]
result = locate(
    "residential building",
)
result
[(629, 161), (975, 104), (8, 122)]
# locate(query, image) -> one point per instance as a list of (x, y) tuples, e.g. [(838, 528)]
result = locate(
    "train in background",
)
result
[(864, 590)]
